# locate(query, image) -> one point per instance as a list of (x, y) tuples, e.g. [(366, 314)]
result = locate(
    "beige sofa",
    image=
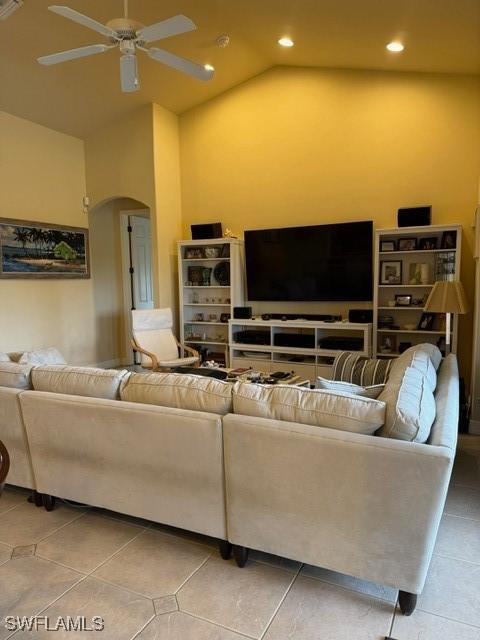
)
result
[(365, 506), (180, 450)]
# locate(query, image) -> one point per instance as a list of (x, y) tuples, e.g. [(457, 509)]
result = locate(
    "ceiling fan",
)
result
[(130, 36)]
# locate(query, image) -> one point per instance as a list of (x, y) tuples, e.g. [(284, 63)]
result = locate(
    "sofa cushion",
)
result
[(352, 367), (431, 350), (181, 391), (4, 357), (411, 408), (348, 387), (14, 375), (78, 381), (42, 356), (418, 359), (309, 406)]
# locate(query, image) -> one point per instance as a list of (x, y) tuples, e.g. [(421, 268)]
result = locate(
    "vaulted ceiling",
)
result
[(77, 97)]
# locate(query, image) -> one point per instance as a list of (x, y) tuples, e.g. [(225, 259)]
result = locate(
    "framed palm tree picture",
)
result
[(41, 250)]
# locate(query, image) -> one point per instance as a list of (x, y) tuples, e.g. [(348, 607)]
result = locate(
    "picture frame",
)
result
[(428, 244), (449, 240), (388, 245), (426, 322), (194, 253), (388, 344), (403, 300), (391, 272), (32, 250), (407, 244)]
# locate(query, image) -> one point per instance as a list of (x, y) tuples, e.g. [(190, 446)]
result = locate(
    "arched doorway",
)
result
[(121, 259)]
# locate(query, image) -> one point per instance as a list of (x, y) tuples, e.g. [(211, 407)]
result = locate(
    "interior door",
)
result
[(141, 263)]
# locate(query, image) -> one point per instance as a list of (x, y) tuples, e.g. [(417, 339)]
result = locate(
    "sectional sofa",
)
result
[(350, 483)]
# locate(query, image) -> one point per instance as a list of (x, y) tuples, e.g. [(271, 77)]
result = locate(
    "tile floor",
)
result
[(150, 582)]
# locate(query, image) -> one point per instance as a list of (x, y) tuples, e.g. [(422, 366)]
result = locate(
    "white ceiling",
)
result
[(77, 97)]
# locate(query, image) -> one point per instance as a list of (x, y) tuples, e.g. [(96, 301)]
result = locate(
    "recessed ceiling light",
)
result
[(285, 42), (209, 67), (395, 47)]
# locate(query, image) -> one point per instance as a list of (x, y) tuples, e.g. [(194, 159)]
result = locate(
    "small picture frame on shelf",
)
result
[(428, 244), (194, 253), (391, 272), (225, 252), (213, 252), (407, 244), (402, 300), (426, 322), (388, 245), (224, 317), (388, 344), (449, 240)]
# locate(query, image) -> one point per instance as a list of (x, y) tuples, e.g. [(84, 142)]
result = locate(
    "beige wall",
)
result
[(299, 146), (42, 178), (168, 218)]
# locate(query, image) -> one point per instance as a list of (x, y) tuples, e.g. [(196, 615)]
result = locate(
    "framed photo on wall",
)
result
[(35, 250)]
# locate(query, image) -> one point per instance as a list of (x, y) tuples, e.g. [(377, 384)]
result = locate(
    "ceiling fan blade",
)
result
[(181, 64), (72, 54), (167, 28), (129, 73), (85, 21)]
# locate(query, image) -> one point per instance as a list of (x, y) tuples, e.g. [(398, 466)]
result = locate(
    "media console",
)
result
[(306, 347)]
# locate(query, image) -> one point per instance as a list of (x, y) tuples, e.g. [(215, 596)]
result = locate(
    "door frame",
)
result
[(126, 276)]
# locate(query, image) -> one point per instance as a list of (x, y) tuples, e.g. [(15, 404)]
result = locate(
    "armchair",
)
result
[(153, 338)]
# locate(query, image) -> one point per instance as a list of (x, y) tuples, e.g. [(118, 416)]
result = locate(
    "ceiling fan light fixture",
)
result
[(209, 67), (285, 41)]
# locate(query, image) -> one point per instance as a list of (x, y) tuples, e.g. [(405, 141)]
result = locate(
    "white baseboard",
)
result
[(474, 427)]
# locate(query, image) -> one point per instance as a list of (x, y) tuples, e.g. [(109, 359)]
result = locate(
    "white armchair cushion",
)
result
[(79, 381), (152, 331), (372, 391), (411, 407), (15, 375), (4, 357), (42, 356), (182, 391), (315, 407)]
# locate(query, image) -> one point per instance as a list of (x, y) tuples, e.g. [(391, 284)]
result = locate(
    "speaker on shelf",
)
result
[(360, 315), (206, 231), (415, 216), (242, 313)]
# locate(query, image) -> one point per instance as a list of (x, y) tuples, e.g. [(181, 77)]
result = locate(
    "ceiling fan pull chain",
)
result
[(125, 8)]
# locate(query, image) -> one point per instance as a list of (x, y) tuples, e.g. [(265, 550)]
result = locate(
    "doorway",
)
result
[(136, 267)]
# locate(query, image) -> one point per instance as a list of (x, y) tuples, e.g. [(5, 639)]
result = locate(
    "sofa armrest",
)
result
[(362, 505)]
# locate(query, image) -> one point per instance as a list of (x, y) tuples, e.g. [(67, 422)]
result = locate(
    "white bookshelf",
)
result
[(201, 305), (308, 363), (438, 260)]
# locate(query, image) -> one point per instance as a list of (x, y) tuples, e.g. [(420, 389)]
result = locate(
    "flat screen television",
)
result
[(327, 262)]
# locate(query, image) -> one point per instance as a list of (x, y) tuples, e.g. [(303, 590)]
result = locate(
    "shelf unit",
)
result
[(441, 263), (305, 362), (208, 334)]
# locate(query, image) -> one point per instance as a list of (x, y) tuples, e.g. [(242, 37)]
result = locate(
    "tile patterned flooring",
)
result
[(150, 582)]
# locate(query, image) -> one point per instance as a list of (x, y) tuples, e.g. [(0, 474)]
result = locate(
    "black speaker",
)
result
[(242, 313), (360, 315), (206, 231), (415, 216)]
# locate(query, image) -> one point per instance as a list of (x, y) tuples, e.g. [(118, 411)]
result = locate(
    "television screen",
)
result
[(324, 262)]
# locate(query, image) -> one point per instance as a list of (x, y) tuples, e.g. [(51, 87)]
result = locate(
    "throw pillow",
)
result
[(42, 356), (351, 367), (315, 407), (4, 357), (348, 387)]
